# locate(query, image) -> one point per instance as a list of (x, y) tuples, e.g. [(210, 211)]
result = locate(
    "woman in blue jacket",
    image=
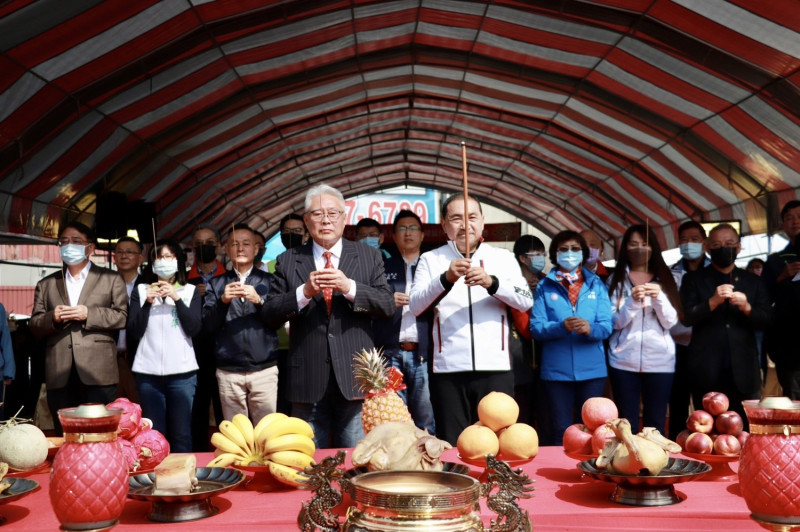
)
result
[(571, 317)]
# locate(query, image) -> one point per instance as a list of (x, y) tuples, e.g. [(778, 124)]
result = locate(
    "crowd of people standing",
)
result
[(459, 321)]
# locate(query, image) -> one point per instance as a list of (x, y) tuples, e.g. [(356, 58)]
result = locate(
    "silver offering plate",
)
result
[(212, 481), (448, 467), (18, 489), (648, 490)]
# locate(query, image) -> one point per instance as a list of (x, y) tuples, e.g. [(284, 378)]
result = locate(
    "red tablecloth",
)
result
[(563, 500)]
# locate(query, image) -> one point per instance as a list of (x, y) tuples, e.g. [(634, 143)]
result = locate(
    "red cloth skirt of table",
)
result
[(563, 500)]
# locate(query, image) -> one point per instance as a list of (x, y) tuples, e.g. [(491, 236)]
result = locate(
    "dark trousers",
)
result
[(681, 393), (455, 398), (789, 379), (207, 394), (76, 393), (566, 399), (650, 389)]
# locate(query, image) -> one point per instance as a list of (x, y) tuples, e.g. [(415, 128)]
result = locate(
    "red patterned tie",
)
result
[(327, 293)]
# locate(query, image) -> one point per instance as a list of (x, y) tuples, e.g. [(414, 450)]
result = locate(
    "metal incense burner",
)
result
[(436, 501)]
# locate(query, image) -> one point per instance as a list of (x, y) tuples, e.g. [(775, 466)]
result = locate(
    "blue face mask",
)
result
[(691, 250), (537, 264), (72, 254), (371, 241), (569, 260)]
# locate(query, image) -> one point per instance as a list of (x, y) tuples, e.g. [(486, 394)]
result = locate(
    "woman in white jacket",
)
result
[(163, 317), (645, 305)]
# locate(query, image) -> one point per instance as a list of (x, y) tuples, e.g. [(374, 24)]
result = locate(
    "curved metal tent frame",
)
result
[(575, 113)]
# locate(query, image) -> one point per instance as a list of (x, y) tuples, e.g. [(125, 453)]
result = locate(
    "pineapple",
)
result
[(379, 385)]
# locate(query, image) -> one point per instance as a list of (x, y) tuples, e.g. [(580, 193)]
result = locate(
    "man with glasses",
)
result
[(245, 347), (471, 297), (370, 232), (329, 292), (405, 338), (293, 234), (78, 311), (724, 305), (128, 256)]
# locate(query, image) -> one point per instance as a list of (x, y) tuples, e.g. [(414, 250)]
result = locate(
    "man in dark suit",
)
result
[(78, 311), (128, 256), (324, 335), (724, 305)]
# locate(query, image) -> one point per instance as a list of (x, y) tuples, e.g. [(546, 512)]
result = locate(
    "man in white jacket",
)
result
[(470, 300)]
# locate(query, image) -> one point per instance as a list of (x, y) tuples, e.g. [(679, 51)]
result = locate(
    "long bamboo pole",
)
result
[(466, 198)]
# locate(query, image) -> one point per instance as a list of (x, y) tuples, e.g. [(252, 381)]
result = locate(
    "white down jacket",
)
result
[(641, 341)]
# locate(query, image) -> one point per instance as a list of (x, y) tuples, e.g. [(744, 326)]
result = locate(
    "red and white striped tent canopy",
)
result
[(575, 113)]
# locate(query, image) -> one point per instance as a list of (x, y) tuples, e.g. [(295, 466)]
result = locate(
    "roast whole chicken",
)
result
[(399, 445), (644, 454)]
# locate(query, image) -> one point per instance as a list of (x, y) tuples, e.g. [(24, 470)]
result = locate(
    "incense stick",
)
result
[(233, 243), (466, 198)]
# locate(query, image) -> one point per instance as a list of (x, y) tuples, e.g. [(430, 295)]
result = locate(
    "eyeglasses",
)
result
[(574, 249), (296, 230), (728, 244), (126, 252), (409, 228), (536, 254), (317, 215), (65, 241)]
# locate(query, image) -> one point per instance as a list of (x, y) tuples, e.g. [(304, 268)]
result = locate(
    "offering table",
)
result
[(563, 499)]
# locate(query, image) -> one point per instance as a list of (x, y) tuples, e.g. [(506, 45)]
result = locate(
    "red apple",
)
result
[(700, 421), (715, 403), (597, 410), (680, 439), (743, 437), (699, 443), (577, 439), (601, 435), (729, 422), (728, 445)]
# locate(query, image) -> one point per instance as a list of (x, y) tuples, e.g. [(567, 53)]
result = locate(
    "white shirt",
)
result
[(75, 284), (408, 321), (319, 262)]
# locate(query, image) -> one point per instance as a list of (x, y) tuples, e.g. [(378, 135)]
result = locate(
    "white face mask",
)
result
[(691, 250), (165, 268)]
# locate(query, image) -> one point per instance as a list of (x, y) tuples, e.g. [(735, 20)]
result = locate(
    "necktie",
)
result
[(327, 293)]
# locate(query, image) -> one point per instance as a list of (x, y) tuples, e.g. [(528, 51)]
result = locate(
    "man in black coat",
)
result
[(245, 347), (405, 338), (329, 292), (724, 305)]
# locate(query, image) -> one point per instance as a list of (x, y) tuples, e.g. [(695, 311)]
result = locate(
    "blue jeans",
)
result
[(417, 395), (167, 401), (336, 420), (565, 399), (653, 389)]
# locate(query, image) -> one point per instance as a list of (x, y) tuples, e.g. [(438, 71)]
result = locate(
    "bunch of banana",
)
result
[(284, 444)]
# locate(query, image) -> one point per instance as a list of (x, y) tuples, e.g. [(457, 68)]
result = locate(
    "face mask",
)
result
[(638, 256), (594, 256), (260, 253), (537, 264), (165, 268), (723, 257), (205, 253), (691, 250), (371, 241), (569, 260), (72, 254), (291, 240)]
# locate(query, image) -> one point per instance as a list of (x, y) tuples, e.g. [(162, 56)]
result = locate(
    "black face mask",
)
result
[(260, 253), (205, 253), (722, 257), (291, 240)]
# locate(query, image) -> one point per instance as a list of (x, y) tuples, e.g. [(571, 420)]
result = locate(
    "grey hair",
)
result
[(322, 190), (210, 228)]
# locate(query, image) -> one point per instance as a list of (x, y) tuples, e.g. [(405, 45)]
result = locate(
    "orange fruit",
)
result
[(498, 410), (518, 442), (476, 441)]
